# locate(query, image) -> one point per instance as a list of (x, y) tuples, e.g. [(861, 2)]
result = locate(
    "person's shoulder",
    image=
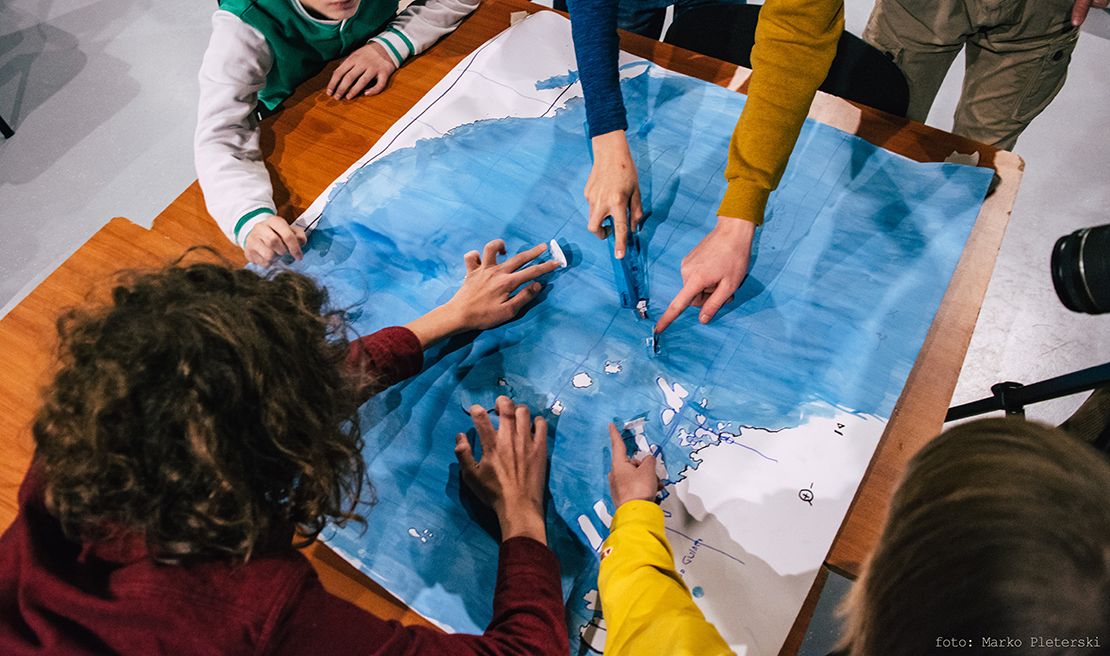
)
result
[(263, 576), (241, 591), (238, 7), (236, 40), (230, 21)]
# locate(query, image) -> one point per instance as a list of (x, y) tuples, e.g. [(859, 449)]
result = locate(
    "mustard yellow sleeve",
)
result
[(795, 42), (647, 608)]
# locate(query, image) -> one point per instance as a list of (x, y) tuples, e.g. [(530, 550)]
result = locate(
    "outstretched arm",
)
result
[(491, 294), (229, 163), (613, 189), (795, 42), (593, 25), (644, 600), (528, 616)]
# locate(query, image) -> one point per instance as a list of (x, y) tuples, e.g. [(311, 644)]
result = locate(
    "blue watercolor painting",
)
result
[(847, 273)]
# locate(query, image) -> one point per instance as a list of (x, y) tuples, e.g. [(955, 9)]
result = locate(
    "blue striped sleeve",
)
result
[(594, 25)]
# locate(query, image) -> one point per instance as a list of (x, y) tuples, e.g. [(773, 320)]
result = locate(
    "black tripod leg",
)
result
[(1013, 397)]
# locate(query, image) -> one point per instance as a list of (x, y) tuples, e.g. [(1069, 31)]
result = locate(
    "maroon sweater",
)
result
[(61, 597)]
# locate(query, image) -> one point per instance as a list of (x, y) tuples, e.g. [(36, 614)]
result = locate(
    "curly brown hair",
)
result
[(205, 409)]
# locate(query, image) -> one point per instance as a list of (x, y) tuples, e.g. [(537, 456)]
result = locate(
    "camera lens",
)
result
[(1081, 270)]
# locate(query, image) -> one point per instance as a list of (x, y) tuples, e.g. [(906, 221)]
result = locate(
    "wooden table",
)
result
[(315, 139)]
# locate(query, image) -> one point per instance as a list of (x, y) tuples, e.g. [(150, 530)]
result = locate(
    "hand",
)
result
[(630, 480), (512, 474), (1081, 7), (273, 238), (370, 63), (613, 190), (712, 271), (486, 297)]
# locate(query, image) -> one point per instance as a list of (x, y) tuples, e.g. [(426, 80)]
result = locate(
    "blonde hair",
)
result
[(1000, 529)]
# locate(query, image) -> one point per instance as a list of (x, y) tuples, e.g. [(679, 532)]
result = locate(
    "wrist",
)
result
[(441, 322), (522, 521), (735, 227), (379, 49), (634, 500), (618, 502), (611, 145)]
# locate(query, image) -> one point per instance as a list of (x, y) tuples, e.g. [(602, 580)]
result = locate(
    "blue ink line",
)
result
[(702, 543), (757, 451), (506, 86)]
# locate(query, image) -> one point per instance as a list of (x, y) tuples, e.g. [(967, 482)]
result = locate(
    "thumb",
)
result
[(379, 85), (637, 208), (464, 454)]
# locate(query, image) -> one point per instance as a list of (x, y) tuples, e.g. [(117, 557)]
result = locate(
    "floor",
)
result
[(102, 94)]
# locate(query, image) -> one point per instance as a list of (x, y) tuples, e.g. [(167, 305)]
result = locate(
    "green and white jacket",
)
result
[(259, 52)]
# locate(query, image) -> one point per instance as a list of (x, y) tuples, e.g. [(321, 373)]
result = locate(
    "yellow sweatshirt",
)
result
[(795, 42), (647, 608)]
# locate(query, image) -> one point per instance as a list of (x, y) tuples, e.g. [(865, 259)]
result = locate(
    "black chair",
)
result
[(6, 129), (860, 72)]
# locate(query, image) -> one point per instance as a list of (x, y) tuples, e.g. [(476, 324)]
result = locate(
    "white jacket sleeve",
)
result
[(421, 24), (229, 163)]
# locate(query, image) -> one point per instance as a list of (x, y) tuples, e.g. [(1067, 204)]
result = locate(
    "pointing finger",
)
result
[(620, 227), (681, 302), (531, 273), (616, 442), (524, 257)]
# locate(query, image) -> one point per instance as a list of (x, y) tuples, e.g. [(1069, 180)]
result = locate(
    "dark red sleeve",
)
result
[(386, 357), (528, 618)]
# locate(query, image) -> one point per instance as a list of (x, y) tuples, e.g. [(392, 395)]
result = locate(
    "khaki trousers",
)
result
[(1018, 53)]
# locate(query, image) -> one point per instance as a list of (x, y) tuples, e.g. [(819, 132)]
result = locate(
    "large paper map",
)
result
[(765, 420)]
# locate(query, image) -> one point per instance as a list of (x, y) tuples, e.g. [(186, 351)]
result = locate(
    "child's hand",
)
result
[(486, 297), (273, 238), (512, 473), (630, 480), (370, 63)]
